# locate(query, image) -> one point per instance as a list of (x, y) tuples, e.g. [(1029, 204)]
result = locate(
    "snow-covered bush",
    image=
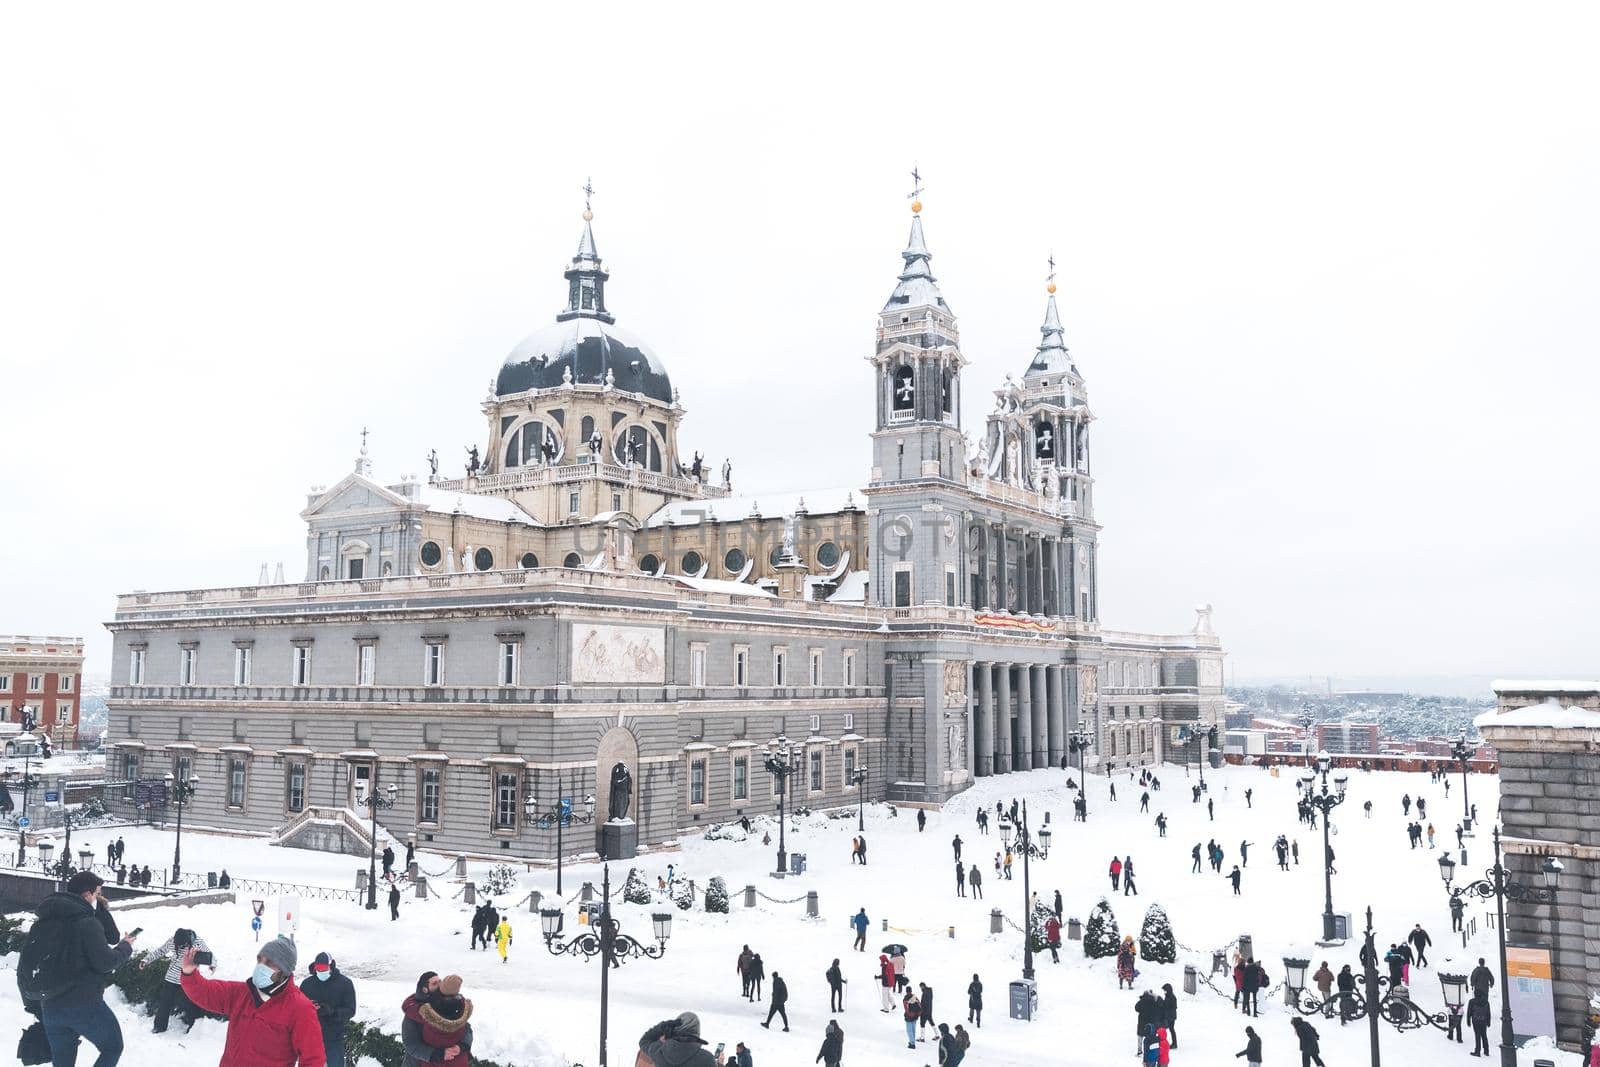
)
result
[(502, 879), (717, 896), (726, 832), (1101, 937), (1042, 914), (635, 890), (1156, 942), (683, 895)]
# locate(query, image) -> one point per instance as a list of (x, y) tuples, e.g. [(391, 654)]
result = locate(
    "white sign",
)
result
[(618, 655), (288, 916), (1533, 1003)]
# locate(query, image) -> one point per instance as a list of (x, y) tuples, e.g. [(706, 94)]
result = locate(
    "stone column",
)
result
[(1022, 743), (1002, 713), (1038, 575), (983, 740), (983, 572), (1072, 580), (1041, 717), (1058, 715), (1049, 573), (1001, 599)]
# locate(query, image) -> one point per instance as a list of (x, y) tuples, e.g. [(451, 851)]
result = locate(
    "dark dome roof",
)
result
[(588, 347)]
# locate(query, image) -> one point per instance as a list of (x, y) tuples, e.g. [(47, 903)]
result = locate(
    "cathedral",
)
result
[(487, 656)]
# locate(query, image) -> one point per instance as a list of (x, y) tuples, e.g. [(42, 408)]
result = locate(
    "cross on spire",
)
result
[(916, 184), (588, 192), (1052, 262), (363, 438)]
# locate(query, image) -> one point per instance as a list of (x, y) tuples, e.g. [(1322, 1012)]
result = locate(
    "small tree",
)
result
[(634, 890), (502, 880), (1155, 938), (717, 896), (1101, 937), (1036, 935), (683, 897)]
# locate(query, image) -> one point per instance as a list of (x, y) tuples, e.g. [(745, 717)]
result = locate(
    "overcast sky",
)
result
[(1332, 280)]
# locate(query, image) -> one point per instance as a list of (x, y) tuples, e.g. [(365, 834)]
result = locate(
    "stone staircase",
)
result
[(332, 829)]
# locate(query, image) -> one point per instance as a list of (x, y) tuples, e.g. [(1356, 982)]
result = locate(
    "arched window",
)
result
[(529, 561), (573, 561), (905, 389), (650, 563)]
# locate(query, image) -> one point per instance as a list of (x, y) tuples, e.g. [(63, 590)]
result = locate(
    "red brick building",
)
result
[(43, 675)]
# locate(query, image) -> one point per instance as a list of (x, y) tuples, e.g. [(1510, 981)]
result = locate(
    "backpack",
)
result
[(45, 967)]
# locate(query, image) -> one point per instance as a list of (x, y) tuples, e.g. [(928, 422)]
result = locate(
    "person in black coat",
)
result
[(1310, 1051), (1169, 1013), (1147, 1011), (394, 902), (780, 997), (1255, 979), (975, 1002), (1252, 1047), (477, 925), (950, 1051), (1057, 908), (1478, 1016), (835, 987), (1347, 994), (335, 998), (1481, 980), (387, 855), (757, 971), (1419, 943), (925, 1022), (79, 920), (832, 1050)]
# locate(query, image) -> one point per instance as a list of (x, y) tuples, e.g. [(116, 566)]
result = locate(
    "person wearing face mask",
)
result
[(335, 998), (271, 1023)]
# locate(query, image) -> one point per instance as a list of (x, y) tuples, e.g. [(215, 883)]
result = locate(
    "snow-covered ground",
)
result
[(541, 1009)]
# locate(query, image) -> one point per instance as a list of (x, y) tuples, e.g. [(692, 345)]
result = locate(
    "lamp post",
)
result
[(375, 800), (558, 817), (613, 948), (1497, 883), (1460, 750), (781, 764), (181, 790), (1026, 846), (25, 782), (1078, 744), (1325, 802), (858, 778), (1394, 1006)]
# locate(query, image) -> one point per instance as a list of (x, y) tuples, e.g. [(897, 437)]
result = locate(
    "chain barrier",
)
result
[(775, 900)]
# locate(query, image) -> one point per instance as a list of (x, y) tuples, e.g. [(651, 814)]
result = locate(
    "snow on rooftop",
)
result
[(1569, 686), (1552, 714), (852, 589), (769, 505), (714, 585), (476, 505)]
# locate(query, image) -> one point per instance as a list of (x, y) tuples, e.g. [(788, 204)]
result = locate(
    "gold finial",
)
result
[(588, 191), (916, 190), (1050, 282)]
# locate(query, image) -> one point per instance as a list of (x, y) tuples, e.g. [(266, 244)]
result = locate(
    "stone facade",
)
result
[(590, 593)]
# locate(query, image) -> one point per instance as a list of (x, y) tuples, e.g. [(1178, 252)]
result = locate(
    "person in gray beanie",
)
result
[(677, 1043), (270, 1022)]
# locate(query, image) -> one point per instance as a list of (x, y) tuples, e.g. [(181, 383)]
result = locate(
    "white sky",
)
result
[(1326, 279)]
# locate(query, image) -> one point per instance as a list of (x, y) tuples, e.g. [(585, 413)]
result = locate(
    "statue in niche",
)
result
[(548, 449), (698, 467), (621, 791), (433, 466), (727, 474), (1014, 462), (473, 466)]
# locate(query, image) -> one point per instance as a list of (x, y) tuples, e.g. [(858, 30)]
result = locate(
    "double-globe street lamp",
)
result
[(1026, 846), (858, 781), (1497, 883), (782, 763), (1371, 1001), (1205, 741), (558, 817), (603, 939), (26, 781), (1463, 752), (375, 800), (1325, 802), (1078, 745), (180, 790)]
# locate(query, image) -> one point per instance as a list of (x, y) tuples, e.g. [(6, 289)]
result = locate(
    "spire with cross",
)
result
[(915, 196), (363, 461)]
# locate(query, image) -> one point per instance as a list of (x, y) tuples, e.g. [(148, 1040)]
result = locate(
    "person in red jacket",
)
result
[(270, 1022), (1116, 872), (1052, 938)]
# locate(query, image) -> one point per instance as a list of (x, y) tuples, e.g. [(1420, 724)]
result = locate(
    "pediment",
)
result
[(356, 494)]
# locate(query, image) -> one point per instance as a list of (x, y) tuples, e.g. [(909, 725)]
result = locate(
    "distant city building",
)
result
[(1348, 738), (42, 675)]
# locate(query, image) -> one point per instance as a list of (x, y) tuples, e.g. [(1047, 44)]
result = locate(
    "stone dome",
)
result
[(587, 348)]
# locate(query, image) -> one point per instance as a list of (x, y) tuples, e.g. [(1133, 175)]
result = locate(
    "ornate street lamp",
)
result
[(558, 817), (47, 848), (603, 939), (858, 778), (782, 764), (1325, 802), (1497, 883), (1463, 752), (1078, 744), (1027, 848), (181, 791), (375, 800)]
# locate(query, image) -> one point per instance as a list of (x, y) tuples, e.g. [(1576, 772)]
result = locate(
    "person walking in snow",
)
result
[(1161, 825), (1127, 952), (922, 820), (1211, 809), (1052, 938), (1347, 994), (1324, 980), (1169, 1012), (832, 1050), (975, 1002), (1457, 909), (1481, 979), (1422, 808), (925, 1005), (1478, 1016), (961, 880), (1255, 980), (1405, 804), (1247, 804), (886, 982), (1294, 847), (910, 1013), (1116, 873), (835, 987), (975, 881), (1146, 1014), (334, 997), (502, 938), (1306, 1034), (1196, 854), (1244, 853), (758, 974), (387, 855), (1057, 908), (491, 923), (860, 921), (1419, 942), (951, 1050), (1234, 878), (1008, 865), (394, 902), (479, 916), (1144, 802), (1127, 878), (1430, 835), (1252, 1048), (1366, 808), (1282, 849), (780, 998), (955, 843), (1113, 786)]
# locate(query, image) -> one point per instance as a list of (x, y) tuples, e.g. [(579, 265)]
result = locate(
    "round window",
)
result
[(734, 560), (776, 555), (431, 554), (572, 561), (691, 562), (483, 559), (828, 554), (529, 561), (650, 563)]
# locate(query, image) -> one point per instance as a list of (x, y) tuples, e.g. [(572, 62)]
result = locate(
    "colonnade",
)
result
[(1019, 716), (1044, 568)]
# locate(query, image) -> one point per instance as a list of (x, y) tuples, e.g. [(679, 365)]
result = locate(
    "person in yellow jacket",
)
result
[(502, 937)]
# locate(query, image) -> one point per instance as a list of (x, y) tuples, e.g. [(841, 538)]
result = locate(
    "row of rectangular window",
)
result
[(36, 683), (814, 770), (63, 714), (508, 665)]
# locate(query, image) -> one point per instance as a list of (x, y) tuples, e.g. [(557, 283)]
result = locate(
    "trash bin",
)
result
[(1246, 947), (797, 863), (1191, 979), (1074, 930), (1219, 963), (1024, 999)]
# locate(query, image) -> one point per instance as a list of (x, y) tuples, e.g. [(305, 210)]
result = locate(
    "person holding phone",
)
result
[(171, 989), (270, 1022), (70, 951)]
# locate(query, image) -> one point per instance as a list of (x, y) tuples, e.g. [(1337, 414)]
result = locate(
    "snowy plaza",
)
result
[(540, 1009)]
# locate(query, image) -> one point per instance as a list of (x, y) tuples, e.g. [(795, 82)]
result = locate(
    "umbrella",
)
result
[(893, 950)]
